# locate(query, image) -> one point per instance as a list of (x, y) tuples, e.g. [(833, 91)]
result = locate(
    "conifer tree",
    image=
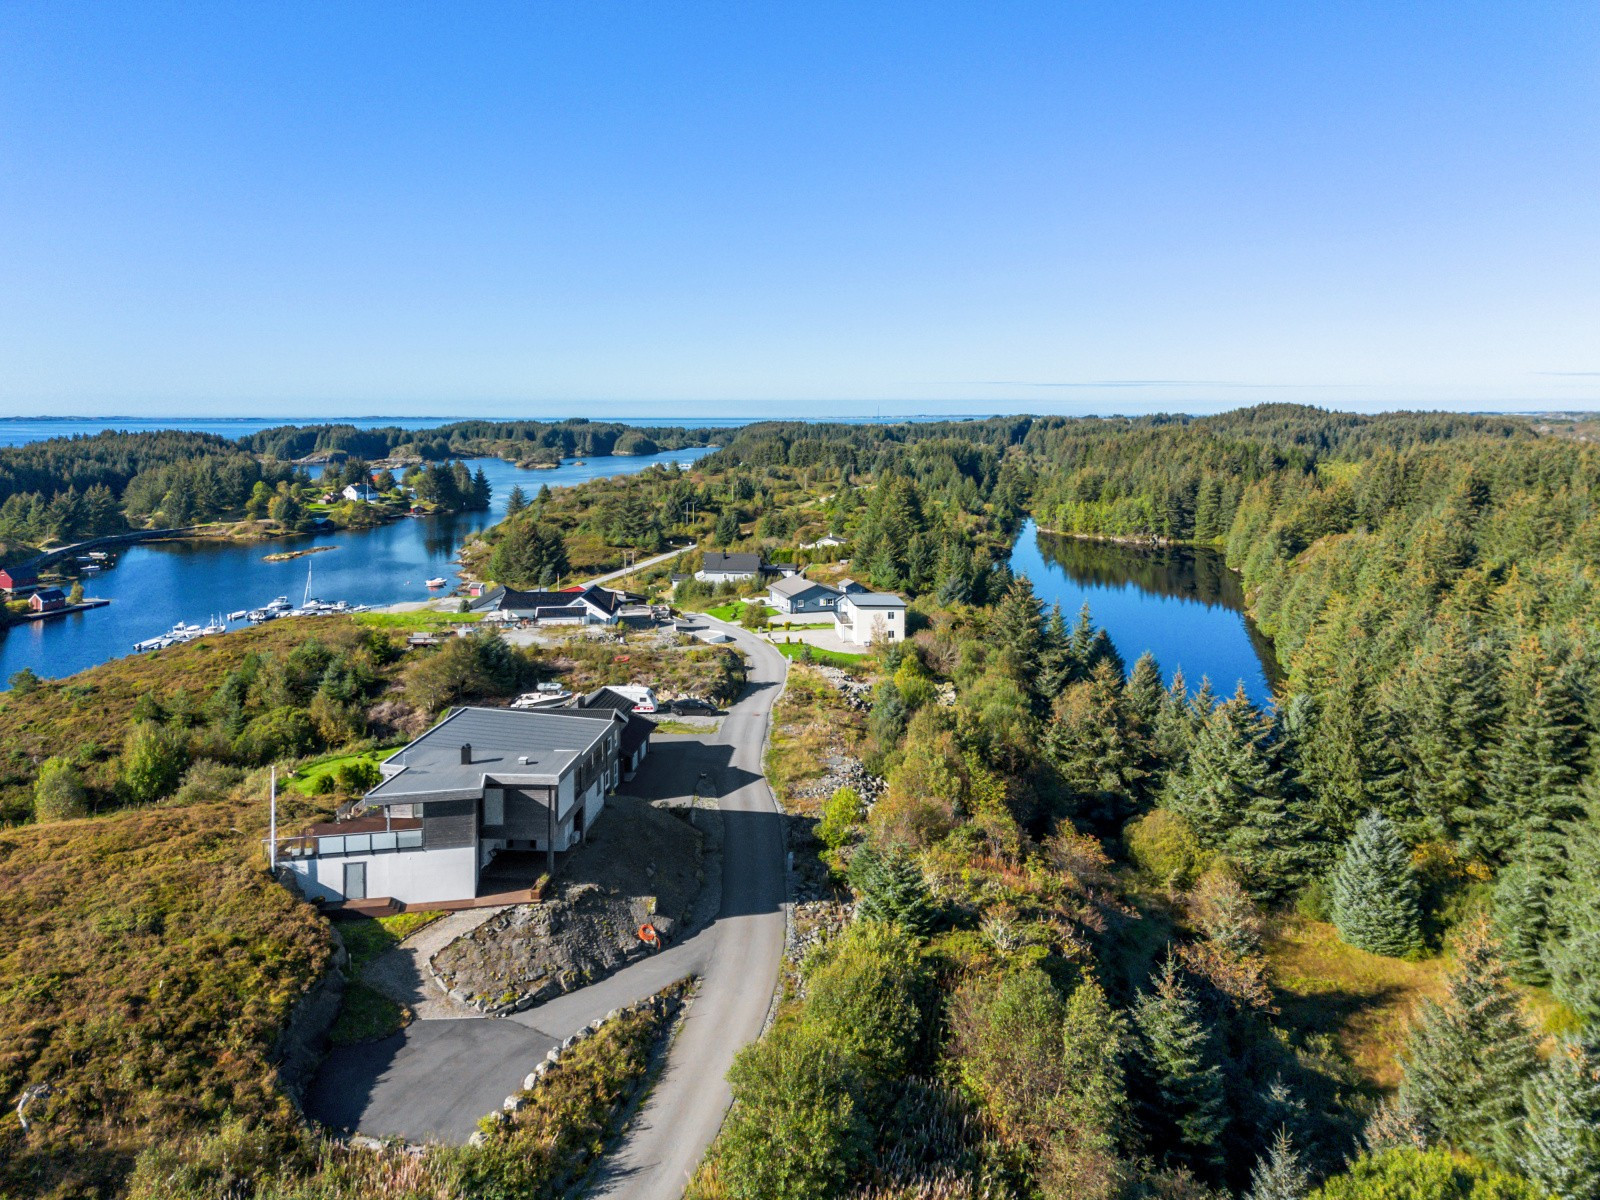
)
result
[(1279, 1174), (1145, 691), (1089, 742), (1175, 1047), (1017, 632), (516, 500), (1375, 904), (1533, 766), (1231, 791), (1469, 1056), (1175, 727), (1572, 951), (890, 887), (1561, 1138)]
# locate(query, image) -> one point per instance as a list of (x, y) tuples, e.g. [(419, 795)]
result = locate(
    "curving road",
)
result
[(437, 1077)]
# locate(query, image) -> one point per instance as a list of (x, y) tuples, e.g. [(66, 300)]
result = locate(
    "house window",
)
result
[(494, 806)]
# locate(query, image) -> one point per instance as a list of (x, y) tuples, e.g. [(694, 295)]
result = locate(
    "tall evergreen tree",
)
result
[(1090, 743), (1470, 1055), (890, 887), (1187, 1099), (1375, 895), (1231, 791), (1560, 1148), (516, 500), (1534, 764), (1017, 631), (1572, 949)]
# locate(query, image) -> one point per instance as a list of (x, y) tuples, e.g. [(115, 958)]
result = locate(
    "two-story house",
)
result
[(482, 781), (862, 618)]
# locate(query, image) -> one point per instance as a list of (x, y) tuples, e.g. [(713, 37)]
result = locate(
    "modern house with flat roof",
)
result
[(482, 782), (862, 618), (719, 567), (797, 594)]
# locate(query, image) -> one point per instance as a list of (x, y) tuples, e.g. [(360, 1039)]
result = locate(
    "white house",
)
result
[(720, 567), (362, 492), (861, 617), (797, 594), (482, 782), (583, 606)]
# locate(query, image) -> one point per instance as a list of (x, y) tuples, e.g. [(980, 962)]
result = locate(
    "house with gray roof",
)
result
[(482, 782), (590, 605), (862, 617), (797, 594), (716, 566)]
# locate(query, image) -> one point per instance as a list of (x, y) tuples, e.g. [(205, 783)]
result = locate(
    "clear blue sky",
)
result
[(813, 208)]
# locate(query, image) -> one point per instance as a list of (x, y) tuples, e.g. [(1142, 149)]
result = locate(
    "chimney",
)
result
[(466, 753)]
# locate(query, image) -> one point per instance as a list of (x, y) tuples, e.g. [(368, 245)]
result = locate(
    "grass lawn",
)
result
[(304, 779), (670, 726), (367, 937), (421, 620), (735, 611), (831, 658), (1362, 1000)]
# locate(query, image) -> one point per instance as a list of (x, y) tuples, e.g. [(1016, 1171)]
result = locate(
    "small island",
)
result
[(290, 555)]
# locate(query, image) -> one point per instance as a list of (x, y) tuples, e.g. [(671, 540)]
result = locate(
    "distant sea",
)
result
[(18, 431)]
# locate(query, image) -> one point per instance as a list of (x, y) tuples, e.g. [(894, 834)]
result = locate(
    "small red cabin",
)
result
[(14, 579), (48, 600)]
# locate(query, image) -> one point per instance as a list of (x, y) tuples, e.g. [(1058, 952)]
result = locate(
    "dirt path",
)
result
[(402, 973)]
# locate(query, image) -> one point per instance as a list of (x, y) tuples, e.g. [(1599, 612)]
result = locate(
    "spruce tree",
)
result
[(1231, 791), (890, 887), (1375, 905), (1561, 1138), (1572, 951), (1186, 1085), (1521, 913), (1534, 764), (1279, 1174), (1469, 1056)]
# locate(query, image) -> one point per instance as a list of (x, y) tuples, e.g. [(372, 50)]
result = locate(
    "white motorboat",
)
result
[(438, 581)]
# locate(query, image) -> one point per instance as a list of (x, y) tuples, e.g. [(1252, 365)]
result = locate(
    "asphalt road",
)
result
[(434, 1079)]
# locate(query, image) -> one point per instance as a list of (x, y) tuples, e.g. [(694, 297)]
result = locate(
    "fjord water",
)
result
[(154, 586), (1182, 604)]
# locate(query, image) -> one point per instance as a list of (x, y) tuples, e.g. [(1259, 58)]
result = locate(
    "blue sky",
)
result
[(809, 209)]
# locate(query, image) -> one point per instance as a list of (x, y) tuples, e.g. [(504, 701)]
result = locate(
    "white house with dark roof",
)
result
[(591, 605), (797, 594), (716, 566), (482, 782), (364, 493), (862, 617)]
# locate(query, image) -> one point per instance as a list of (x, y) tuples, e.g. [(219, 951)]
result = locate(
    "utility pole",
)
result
[(272, 824)]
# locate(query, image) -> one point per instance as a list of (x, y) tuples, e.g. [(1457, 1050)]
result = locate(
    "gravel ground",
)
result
[(402, 973)]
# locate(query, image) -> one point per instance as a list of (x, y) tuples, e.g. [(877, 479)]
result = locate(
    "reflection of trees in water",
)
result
[(441, 535), (1180, 573), (1176, 572)]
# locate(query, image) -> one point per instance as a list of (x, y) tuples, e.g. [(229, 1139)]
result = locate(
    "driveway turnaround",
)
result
[(436, 1078)]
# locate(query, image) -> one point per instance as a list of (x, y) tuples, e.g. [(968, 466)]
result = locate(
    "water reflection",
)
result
[(1181, 604)]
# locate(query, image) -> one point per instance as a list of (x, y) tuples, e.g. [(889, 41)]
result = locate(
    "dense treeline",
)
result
[(509, 439)]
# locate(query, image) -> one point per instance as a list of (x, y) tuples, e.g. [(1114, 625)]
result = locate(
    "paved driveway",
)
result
[(434, 1079)]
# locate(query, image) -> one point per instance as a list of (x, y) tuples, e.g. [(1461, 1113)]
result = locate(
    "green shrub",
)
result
[(152, 762), (864, 994), (361, 775), (1406, 1174), (59, 793), (1164, 846), (842, 815), (794, 1132)]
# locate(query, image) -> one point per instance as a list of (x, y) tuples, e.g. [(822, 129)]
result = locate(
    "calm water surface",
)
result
[(1182, 605), (155, 586)]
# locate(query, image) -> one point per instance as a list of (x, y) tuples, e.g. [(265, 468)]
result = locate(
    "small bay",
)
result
[(155, 586)]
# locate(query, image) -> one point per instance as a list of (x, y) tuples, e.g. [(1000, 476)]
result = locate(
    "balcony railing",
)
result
[(334, 845)]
